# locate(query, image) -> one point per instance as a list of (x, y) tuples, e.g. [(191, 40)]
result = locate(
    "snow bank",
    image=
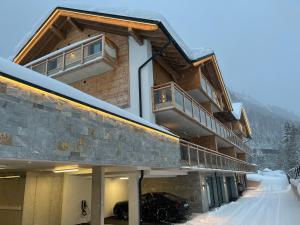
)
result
[(272, 203), (271, 180), (254, 177), (296, 186), (26, 75)]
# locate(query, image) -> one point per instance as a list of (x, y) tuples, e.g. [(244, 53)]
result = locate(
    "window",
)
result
[(52, 64), (94, 48)]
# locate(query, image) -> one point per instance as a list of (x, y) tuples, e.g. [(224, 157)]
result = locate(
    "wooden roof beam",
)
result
[(76, 25), (58, 32), (133, 33), (106, 29), (167, 67)]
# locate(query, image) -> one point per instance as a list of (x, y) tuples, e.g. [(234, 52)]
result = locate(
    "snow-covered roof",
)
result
[(149, 16), (28, 76), (237, 110)]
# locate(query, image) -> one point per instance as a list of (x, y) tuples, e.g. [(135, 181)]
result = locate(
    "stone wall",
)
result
[(41, 126), (188, 187)]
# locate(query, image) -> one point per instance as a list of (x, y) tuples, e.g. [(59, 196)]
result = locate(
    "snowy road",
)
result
[(272, 203)]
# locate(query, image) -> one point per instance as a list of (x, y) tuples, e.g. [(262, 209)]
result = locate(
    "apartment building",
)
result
[(107, 104)]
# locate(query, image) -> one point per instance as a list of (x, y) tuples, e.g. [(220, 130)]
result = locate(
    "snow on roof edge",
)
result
[(192, 54), (237, 110), (29, 76)]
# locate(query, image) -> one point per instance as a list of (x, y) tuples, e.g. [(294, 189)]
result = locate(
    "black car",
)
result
[(157, 207)]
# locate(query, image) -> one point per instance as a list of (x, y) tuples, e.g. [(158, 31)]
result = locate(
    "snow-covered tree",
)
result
[(290, 146)]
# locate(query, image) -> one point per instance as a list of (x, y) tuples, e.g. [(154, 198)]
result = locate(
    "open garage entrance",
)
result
[(33, 194)]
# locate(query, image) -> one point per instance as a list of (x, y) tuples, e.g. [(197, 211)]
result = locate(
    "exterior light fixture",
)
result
[(2, 167), (66, 170), (9, 177), (124, 178)]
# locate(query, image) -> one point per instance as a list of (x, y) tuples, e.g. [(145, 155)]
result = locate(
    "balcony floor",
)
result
[(180, 124)]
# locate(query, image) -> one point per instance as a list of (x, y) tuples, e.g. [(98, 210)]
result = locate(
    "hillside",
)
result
[(267, 123)]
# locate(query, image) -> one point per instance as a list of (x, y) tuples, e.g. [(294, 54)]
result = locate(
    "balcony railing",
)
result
[(76, 55), (193, 155), (170, 95), (210, 91)]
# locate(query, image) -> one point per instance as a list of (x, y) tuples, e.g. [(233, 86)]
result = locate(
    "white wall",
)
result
[(137, 56), (75, 190), (116, 190), (78, 188)]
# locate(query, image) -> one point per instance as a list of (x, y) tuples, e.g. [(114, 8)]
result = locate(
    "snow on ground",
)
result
[(272, 203), (296, 184)]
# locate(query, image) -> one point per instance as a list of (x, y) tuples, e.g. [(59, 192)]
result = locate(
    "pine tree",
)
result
[(290, 146)]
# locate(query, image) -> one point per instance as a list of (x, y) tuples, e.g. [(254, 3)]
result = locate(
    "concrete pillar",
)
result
[(225, 190), (97, 209), (133, 199), (235, 193), (214, 180), (203, 196), (42, 198)]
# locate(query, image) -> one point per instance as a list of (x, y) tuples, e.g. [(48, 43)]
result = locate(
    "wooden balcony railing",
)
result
[(76, 55), (170, 95), (193, 155)]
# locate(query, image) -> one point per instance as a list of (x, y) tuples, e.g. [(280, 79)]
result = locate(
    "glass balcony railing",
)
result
[(76, 55), (210, 91), (170, 95), (193, 155)]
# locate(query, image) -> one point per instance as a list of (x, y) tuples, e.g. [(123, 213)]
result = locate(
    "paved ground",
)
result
[(272, 203)]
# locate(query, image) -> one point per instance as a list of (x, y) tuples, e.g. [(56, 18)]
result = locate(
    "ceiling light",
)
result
[(9, 177), (65, 170), (123, 178)]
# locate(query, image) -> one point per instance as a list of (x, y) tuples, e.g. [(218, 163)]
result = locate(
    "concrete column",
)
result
[(133, 199), (203, 197), (225, 190), (42, 198), (97, 209), (235, 193), (137, 56)]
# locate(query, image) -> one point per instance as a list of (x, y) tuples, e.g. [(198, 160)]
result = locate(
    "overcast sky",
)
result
[(257, 42)]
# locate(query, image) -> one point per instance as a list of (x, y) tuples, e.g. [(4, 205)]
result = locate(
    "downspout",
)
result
[(140, 196), (140, 73)]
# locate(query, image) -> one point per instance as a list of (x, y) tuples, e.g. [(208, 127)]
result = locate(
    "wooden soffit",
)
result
[(58, 13)]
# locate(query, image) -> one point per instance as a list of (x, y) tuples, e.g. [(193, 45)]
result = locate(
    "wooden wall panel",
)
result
[(161, 76), (112, 86)]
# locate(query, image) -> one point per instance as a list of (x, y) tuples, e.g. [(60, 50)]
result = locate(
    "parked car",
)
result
[(157, 207)]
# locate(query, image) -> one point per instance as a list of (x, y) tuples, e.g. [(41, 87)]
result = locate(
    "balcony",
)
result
[(202, 90), (178, 111), (78, 61), (196, 156)]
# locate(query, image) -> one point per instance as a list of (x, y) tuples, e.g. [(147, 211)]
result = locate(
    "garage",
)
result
[(67, 196)]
